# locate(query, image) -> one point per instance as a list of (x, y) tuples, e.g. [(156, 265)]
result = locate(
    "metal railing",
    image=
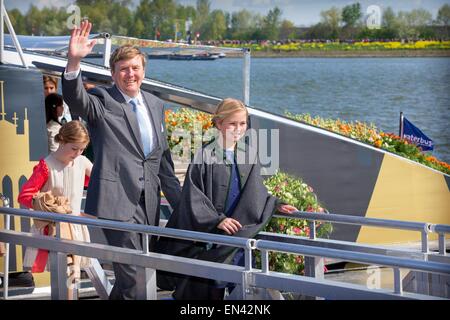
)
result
[(248, 278), (423, 227), (441, 229), (5, 201)]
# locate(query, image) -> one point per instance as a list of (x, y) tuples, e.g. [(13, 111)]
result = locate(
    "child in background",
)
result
[(53, 111)]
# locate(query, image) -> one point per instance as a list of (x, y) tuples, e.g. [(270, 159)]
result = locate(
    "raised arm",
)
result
[(79, 101)]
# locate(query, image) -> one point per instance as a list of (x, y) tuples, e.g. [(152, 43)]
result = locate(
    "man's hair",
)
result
[(125, 52)]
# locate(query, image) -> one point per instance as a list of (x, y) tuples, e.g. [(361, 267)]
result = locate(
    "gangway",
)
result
[(95, 272)]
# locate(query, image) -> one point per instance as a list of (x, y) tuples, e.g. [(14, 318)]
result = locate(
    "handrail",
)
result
[(370, 258), (62, 245), (348, 219), (423, 227), (343, 245), (441, 229), (124, 226)]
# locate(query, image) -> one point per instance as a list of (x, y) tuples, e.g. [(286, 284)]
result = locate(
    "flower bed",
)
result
[(186, 130), (370, 134), (343, 46), (295, 192), (185, 125)]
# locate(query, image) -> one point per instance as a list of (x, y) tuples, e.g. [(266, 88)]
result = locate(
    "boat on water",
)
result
[(185, 57), (351, 178)]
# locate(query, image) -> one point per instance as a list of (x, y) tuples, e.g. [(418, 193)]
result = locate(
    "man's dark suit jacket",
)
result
[(121, 172)]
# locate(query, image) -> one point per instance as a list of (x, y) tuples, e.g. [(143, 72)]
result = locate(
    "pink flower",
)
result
[(320, 209), (310, 209), (281, 227), (310, 189), (297, 230), (307, 231)]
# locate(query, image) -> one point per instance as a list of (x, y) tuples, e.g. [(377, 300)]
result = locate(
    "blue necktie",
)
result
[(145, 130)]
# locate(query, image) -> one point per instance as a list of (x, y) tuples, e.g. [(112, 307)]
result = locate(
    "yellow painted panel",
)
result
[(409, 192), (14, 164), (41, 279)]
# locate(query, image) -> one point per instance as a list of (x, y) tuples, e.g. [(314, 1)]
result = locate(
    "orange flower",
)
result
[(378, 143)]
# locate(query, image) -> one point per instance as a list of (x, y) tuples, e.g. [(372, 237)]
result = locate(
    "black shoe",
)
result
[(20, 279)]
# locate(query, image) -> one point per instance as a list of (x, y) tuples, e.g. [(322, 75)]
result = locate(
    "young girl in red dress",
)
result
[(63, 173)]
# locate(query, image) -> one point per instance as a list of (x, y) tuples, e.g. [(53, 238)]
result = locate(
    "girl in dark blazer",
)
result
[(223, 193)]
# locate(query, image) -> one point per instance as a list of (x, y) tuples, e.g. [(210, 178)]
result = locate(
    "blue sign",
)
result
[(413, 134)]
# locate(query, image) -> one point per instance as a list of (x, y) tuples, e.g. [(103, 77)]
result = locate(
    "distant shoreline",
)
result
[(417, 53)]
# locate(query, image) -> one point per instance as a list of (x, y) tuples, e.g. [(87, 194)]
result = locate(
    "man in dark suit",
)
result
[(132, 158)]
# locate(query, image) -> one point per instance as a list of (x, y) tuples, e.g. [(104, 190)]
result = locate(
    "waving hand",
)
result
[(79, 45)]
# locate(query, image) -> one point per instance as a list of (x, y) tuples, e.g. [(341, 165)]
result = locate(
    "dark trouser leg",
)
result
[(125, 285)]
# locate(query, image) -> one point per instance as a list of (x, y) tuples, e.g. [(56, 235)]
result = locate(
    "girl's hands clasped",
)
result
[(229, 225), (287, 208)]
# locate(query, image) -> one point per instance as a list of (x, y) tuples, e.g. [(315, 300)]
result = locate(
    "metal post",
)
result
[(13, 35), (246, 77), (146, 277), (442, 248), (314, 267), (7, 227), (425, 248), (58, 271), (145, 284), (400, 127), (312, 229), (248, 259), (145, 243), (265, 261), (398, 287), (58, 230), (107, 50), (2, 31), (58, 275)]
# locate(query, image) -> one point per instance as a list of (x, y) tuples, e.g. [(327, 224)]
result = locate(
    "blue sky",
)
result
[(301, 12)]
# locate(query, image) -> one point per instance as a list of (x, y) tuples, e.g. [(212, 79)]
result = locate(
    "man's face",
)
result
[(128, 75)]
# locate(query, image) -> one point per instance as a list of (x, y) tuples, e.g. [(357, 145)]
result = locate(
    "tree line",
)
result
[(167, 19)]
